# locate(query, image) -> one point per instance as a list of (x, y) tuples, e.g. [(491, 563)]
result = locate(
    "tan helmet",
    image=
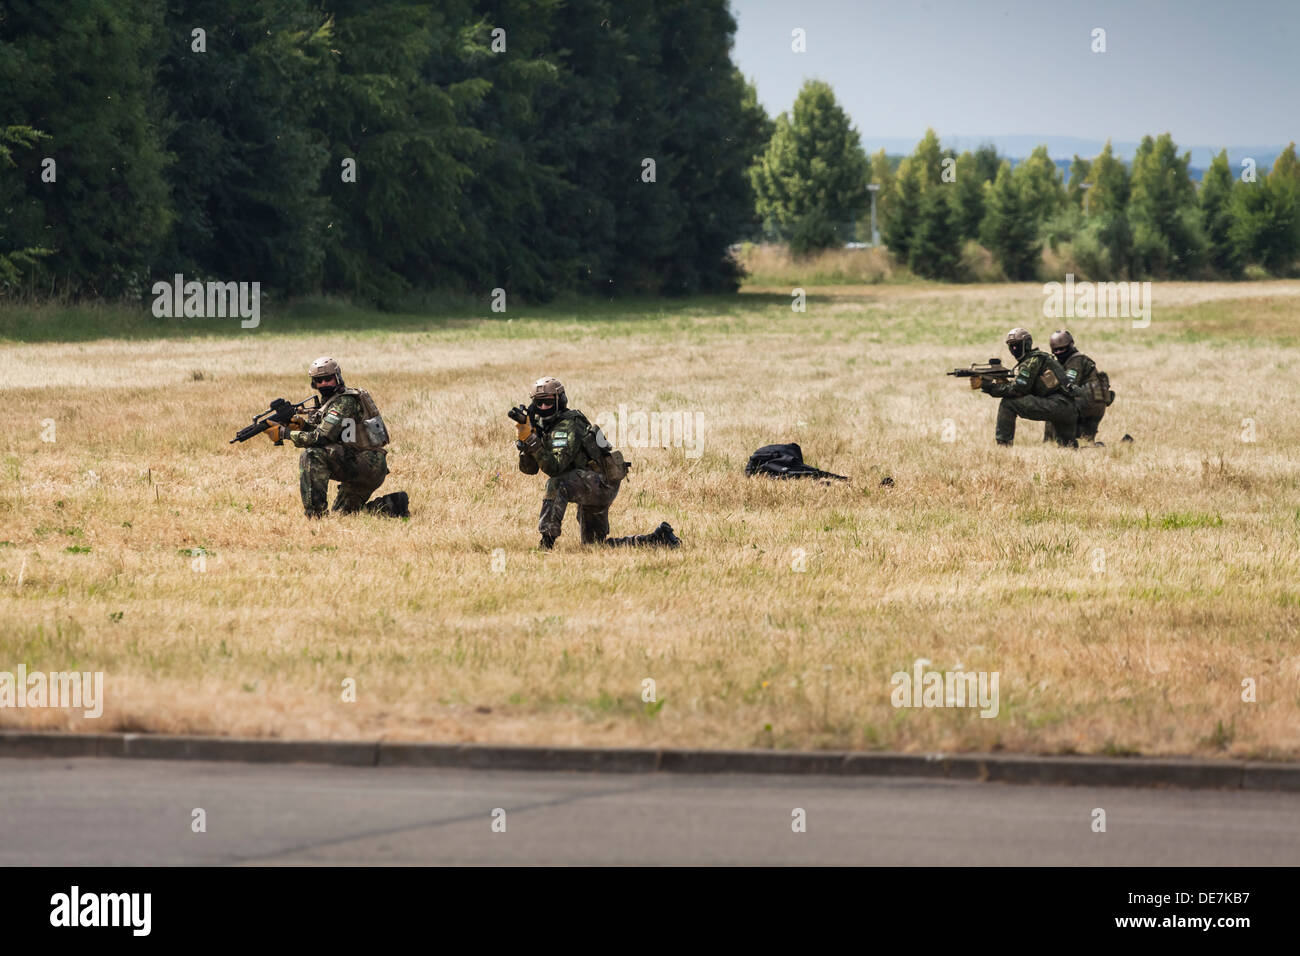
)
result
[(1061, 341), (325, 366), (1019, 341), (549, 387)]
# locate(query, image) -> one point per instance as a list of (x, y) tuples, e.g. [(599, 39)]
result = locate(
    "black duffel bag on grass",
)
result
[(784, 461)]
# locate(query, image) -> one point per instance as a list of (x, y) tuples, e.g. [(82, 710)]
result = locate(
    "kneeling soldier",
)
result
[(1036, 390), (581, 466), (342, 440), (1091, 386)]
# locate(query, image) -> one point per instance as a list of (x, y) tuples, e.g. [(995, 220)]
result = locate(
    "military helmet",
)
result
[(549, 392), (1062, 342), (548, 386), (324, 367), (1019, 341)]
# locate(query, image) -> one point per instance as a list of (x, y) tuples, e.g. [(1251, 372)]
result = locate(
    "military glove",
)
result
[(277, 432), (523, 427), (986, 385)]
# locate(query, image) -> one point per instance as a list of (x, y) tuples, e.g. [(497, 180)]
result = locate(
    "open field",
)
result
[(1122, 594)]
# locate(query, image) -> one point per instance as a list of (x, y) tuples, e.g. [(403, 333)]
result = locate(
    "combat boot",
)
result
[(547, 542), (664, 535), (394, 505)]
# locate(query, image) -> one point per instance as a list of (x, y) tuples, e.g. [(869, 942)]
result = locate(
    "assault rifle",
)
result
[(281, 412), (976, 373)]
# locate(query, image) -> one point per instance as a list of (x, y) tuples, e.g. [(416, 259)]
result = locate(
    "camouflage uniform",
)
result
[(559, 450), (1036, 391), (359, 469), (1081, 371)]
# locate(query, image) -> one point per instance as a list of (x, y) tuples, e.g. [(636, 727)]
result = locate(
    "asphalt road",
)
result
[(89, 811)]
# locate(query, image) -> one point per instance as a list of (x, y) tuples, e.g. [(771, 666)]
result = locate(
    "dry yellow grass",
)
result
[(977, 558), (772, 263)]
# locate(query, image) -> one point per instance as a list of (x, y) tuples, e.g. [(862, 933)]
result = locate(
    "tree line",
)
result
[(1117, 220), (373, 147)]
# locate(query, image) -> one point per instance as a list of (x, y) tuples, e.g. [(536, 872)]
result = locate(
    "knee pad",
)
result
[(310, 456)]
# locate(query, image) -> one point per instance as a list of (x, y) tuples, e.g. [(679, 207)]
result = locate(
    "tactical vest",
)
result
[(1051, 378), (597, 454), (368, 434)]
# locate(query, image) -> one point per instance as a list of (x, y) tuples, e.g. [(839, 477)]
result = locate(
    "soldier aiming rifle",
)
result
[(1035, 389), (342, 438), (581, 467)]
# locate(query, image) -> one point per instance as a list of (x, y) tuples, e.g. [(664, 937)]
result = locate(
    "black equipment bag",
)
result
[(784, 461)]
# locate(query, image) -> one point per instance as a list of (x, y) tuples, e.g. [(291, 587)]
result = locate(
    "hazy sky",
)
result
[(1212, 72)]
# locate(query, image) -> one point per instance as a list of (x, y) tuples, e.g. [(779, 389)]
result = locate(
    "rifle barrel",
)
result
[(280, 412)]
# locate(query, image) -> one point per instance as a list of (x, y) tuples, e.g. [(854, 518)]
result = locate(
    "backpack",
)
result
[(784, 461), (374, 425), (603, 457), (373, 433), (1096, 392), (1103, 380)]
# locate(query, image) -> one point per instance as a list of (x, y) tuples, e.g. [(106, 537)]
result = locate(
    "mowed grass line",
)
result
[(1122, 594)]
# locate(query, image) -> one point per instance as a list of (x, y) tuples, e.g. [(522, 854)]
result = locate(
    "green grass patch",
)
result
[(318, 315), (1170, 520), (1190, 519)]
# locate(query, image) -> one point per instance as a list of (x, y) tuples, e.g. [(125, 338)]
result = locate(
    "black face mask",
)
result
[(327, 390), (545, 414), (1064, 354)]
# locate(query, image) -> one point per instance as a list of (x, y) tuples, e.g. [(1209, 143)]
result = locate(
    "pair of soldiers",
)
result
[(343, 440), (1063, 389)]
